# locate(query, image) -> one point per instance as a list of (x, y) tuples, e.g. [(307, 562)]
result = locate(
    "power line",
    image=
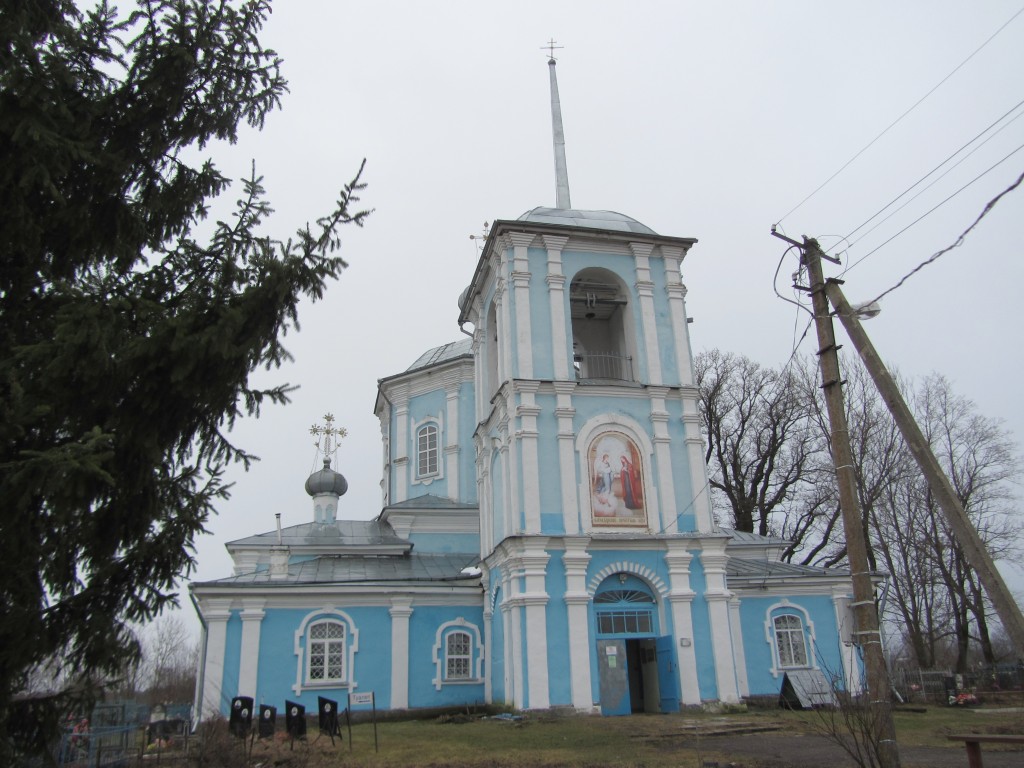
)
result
[(900, 118), (937, 206), (936, 168), (958, 242)]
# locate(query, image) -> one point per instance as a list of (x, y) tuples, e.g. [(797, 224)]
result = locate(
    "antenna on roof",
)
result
[(561, 172)]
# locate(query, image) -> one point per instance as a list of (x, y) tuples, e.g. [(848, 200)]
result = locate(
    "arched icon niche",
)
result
[(616, 481)]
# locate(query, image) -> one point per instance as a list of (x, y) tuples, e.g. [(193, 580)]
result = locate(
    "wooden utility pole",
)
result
[(963, 529), (865, 611)]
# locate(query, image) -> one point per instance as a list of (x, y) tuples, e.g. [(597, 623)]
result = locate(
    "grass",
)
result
[(647, 741)]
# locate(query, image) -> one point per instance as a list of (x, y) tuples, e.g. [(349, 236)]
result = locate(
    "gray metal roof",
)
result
[(443, 354), (743, 537), (774, 569), (573, 217), (341, 532), (356, 569), (429, 501)]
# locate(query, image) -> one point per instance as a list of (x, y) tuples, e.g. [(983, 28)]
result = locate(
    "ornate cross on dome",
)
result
[(327, 434)]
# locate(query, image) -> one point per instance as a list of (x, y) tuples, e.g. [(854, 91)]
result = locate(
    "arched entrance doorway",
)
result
[(636, 664)]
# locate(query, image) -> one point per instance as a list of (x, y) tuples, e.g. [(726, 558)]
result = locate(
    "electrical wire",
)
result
[(937, 206), (936, 168), (900, 118), (957, 243)]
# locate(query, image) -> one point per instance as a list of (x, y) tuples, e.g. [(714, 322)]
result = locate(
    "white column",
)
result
[(401, 610), (521, 297), (564, 412), (514, 658), (252, 615), (717, 595), (556, 297), (527, 411), (680, 598), (649, 325), (737, 646), (577, 602), (216, 614)]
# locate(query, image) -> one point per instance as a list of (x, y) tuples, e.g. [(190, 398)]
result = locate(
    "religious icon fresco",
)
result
[(616, 481)]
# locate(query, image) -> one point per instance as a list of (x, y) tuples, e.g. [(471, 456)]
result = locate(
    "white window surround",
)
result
[(419, 476), (786, 608), (351, 641), (476, 656)]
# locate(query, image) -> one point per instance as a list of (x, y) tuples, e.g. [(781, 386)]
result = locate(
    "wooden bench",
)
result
[(973, 742)]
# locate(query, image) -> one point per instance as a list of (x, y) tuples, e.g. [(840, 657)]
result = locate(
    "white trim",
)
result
[(400, 611), (635, 569), (476, 656), (808, 627), (351, 646)]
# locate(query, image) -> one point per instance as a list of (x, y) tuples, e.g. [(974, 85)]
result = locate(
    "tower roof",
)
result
[(572, 217)]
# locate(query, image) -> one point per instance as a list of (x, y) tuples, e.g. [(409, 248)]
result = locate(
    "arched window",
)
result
[(603, 339), (325, 652), (326, 642), (458, 654), (426, 451), (624, 607), (789, 641)]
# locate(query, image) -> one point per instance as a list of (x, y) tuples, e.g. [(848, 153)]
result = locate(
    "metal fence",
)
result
[(935, 685), (120, 735)]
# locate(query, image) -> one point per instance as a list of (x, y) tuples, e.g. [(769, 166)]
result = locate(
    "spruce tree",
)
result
[(126, 345)]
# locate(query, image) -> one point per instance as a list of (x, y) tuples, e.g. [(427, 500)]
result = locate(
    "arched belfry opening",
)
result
[(602, 326)]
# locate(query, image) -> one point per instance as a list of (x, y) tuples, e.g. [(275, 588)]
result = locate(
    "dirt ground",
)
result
[(780, 750)]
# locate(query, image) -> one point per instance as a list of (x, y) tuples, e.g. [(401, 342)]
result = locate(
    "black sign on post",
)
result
[(240, 722), (268, 721), (329, 718), (295, 719)]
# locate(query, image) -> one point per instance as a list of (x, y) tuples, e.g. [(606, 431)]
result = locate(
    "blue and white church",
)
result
[(547, 538)]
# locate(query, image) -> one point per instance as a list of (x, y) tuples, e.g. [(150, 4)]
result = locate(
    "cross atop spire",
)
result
[(550, 45)]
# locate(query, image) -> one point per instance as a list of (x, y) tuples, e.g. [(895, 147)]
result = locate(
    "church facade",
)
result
[(547, 538)]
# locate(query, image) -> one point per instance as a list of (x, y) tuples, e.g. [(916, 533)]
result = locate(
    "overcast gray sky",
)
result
[(705, 120)]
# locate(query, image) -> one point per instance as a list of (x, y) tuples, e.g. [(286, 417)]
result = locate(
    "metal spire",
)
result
[(561, 173)]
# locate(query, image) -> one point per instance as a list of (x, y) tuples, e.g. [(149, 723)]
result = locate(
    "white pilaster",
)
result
[(252, 615), (577, 601), (451, 446), (673, 257), (527, 411), (737, 646), (521, 297), (567, 455), (401, 610), (669, 506), (534, 563), (705, 522), (717, 595), (844, 622), (216, 614), (556, 296), (400, 400), (649, 325), (680, 598)]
